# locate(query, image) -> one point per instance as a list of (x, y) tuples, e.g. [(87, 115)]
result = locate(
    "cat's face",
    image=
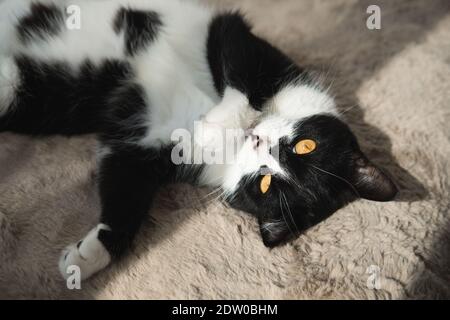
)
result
[(293, 174)]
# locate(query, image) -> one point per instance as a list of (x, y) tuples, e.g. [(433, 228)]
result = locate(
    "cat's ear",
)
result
[(371, 182), (273, 232)]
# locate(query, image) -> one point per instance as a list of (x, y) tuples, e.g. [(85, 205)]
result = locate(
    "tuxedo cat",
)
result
[(135, 71)]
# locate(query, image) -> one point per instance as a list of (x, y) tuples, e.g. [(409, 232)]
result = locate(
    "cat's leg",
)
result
[(234, 111), (128, 179)]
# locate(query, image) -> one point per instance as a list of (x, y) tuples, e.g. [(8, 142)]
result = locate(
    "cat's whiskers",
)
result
[(283, 215), (290, 213), (338, 177), (220, 197), (268, 226), (212, 193), (292, 181), (341, 113)]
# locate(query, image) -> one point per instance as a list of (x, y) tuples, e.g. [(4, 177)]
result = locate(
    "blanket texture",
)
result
[(394, 88)]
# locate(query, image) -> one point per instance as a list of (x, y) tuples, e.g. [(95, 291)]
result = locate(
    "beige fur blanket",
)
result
[(394, 85)]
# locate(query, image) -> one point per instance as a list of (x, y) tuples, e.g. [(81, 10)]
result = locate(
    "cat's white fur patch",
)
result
[(9, 81), (300, 101), (90, 257), (232, 112)]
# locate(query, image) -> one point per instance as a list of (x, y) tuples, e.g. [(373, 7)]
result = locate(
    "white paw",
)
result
[(89, 255), (209, 136)]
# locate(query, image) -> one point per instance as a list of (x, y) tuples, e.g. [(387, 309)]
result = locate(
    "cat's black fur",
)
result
[(240, 59), (140, 28), (53, 100), (43, 20)]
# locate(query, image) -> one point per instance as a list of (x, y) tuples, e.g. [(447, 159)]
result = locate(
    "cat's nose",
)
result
[(259, 141)]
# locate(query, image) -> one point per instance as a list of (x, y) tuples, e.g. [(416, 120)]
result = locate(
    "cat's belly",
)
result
[(175, 75), (167, 121)]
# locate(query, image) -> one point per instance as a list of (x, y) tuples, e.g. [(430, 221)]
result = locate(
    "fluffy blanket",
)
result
[(394, 88)]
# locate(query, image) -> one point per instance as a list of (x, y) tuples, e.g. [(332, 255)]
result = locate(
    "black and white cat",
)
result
[(136, 71)]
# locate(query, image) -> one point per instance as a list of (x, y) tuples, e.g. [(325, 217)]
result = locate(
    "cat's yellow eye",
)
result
[(305, 146), (265, 183)]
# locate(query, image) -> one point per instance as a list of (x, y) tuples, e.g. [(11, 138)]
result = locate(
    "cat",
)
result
[(136, 71)]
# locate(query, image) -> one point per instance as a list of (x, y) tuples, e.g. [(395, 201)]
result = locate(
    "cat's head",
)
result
[(292, 174)]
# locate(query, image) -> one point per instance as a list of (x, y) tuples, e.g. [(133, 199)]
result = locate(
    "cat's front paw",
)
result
[(88, 254), (209, 136)]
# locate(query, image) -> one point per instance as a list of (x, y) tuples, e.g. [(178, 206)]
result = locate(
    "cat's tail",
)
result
[(49, 97)]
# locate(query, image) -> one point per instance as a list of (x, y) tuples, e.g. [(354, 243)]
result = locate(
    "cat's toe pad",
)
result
[(88, 254)]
